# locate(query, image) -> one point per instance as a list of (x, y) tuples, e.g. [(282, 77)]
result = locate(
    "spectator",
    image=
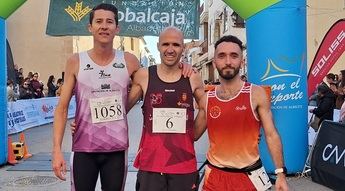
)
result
[(326, 104), (51, 86), (342, 109), (30, 75), (20, 76), (25, 92), (59, 84), (330, 78), (340, 81), (36, 86), (334, 87), (11, 95), (313, 99), (339, 93)]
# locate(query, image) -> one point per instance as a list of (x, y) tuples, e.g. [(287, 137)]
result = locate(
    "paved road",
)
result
[(39, 140)]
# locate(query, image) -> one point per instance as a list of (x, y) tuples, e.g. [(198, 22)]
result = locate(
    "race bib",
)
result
[(260, 179), (169, 120), (106, 109)]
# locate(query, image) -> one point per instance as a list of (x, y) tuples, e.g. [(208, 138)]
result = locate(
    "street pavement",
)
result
[(39, 139)]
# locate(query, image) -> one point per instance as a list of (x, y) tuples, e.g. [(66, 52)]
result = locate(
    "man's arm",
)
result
[(60, 116), (132, 67), (263, 106), (200, 120), (200, 98), (133, 64), (136, 92)]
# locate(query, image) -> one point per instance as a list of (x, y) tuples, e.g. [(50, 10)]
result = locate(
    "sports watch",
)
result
[(280, 170)]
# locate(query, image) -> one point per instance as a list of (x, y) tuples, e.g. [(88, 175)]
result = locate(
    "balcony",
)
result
[(203, 14), (204, 47)]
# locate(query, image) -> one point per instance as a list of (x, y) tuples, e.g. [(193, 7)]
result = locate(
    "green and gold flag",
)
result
[(136, 17)]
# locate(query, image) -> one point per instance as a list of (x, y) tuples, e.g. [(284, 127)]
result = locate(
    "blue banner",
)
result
[(276, 39), (3, 94), (27, 113)]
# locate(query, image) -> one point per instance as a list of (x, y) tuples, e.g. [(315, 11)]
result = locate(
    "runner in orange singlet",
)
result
[(233, 113)]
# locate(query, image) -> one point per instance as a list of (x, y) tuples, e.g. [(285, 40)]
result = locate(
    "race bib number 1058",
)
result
[(106, 109)]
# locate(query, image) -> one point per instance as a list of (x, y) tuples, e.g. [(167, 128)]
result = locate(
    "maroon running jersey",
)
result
[(167, 142)]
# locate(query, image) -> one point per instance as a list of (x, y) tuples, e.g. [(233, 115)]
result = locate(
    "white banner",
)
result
[(24, 114), (311, 131)]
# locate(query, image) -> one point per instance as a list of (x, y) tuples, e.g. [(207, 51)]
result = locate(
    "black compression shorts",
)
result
[(110, 166)]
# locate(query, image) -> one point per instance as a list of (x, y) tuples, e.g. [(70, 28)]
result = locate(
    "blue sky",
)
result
[(152, 46)]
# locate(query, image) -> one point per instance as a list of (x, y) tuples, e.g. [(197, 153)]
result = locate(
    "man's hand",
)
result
[(281, 184), (59, 165), (187, 69), (73, 127)]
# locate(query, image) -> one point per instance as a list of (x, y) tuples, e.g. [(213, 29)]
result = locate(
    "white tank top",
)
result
[(101, 97)]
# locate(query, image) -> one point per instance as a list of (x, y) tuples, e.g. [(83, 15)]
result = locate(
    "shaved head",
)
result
[(169, 30), (170, 46)]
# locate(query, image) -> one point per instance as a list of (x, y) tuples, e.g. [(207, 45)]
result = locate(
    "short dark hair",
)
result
[(105, 6), (229, 38), (59, 80), (342, 73), (322, 88), (9, 81), (331, 76)]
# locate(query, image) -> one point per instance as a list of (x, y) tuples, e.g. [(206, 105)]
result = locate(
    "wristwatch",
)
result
[(280, 170)]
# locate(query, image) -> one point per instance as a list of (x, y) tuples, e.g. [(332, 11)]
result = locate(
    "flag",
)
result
[(330, 49)]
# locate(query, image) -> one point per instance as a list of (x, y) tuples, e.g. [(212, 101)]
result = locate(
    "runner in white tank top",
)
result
[(99, 78)]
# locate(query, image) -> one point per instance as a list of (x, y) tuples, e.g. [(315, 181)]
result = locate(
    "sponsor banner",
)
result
[(328, 157), (330, 49), (282, 65), (24, 114), (136, 17)]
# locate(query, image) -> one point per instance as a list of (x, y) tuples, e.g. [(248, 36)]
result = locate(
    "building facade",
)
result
[(218, 19)]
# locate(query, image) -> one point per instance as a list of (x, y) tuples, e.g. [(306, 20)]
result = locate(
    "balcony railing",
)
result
[(204, 47)]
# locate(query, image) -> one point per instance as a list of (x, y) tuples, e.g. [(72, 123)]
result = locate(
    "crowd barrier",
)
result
[(311, 131), (24, 114)]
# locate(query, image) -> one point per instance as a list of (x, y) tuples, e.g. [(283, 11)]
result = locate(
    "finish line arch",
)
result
[(276, 35), (276, 45)]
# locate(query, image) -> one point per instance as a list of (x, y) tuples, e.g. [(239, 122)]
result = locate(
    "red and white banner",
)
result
[(331, 48)]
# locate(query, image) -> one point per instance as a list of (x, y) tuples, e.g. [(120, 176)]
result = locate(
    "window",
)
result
[(237, 20), (210, 42), (225, 22), (216, 32)]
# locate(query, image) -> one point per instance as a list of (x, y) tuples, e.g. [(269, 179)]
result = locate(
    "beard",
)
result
[(227, 74)]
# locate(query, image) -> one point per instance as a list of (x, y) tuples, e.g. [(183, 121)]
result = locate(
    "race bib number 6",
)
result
[(169, 120), (106, 109)]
